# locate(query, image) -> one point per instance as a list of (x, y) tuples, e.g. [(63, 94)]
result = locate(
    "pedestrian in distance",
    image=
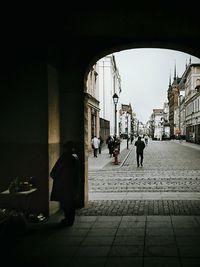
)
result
[(100, 143), (110, 143), (116, 143), (95, 145), (180, 139), (132, 138), (146, 139), (140, 145), (116, 149), (66, 179)]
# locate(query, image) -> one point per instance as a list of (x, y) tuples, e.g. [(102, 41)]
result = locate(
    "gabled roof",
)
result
[(126, 107), (182, 80)]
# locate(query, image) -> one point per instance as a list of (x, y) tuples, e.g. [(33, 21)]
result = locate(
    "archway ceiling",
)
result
[(83, 33)]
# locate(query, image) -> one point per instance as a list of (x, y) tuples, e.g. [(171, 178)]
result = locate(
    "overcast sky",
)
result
[(145, 77)]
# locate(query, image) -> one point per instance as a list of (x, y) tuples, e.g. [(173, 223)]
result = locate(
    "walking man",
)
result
[(110, 142), (95, 145), (132, 138), (140, 145), (100, 143)]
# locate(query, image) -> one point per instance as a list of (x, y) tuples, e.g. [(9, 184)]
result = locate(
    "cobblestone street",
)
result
[(167, 184)]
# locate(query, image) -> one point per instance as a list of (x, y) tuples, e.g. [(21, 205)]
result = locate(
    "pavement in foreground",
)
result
[(138, 239)]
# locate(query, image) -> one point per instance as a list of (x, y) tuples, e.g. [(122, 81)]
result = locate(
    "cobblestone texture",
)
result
[(141, 207), (168, 167)]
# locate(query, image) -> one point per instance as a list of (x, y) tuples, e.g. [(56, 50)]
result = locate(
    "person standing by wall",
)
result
[(140, 145), (66, 179)]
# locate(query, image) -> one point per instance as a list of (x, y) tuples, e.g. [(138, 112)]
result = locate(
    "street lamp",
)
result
[(127, 113), (115, 100), (138, 127), (196, 129)]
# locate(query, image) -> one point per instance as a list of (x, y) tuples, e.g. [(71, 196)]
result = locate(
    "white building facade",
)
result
[(125, 121), (109, 83), (92, 105), (157, 122)]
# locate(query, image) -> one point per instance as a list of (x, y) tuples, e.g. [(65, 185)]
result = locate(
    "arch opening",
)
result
[(172, 128)]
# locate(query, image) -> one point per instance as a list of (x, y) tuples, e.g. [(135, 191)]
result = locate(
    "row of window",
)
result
[(193, 107)]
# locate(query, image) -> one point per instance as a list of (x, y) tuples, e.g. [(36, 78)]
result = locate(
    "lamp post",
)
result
[(115, 101), (196, 129), (127, 113), (193, 127), (138, 127)]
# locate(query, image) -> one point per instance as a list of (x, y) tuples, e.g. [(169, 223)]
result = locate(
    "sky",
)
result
[(145, 76)]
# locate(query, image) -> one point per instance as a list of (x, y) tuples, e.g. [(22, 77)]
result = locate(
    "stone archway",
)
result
[(145, 47), (71, 44)]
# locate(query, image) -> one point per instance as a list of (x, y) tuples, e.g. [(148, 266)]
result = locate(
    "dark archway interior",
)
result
[(41, 54)]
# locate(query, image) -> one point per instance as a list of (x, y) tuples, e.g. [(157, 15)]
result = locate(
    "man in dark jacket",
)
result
[(140, 145), (65, 174), (110, 142)]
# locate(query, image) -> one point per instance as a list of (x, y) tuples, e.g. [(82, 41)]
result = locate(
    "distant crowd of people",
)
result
[(113, 145)]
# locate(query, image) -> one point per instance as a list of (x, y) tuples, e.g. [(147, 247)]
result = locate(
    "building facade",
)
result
[(173, 95), (109, 82), (92, 105), (157, 124), (103, 82), (165, 121), (126, 121), (191, 81)]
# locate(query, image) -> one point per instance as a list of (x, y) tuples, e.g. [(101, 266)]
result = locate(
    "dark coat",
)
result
[(66, 178), (140, 146)]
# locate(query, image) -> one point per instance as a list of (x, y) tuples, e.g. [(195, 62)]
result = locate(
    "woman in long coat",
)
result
[(66, 178)]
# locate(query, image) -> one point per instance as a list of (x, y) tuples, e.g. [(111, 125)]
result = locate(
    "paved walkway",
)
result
[(138, 240), (104, 160), (168, 184)]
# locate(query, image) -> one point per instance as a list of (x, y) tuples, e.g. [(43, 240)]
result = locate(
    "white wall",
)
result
[(109, 83), (158, 127)]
